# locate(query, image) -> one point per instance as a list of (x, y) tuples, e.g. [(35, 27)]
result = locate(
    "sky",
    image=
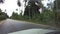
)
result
[(11, 6)]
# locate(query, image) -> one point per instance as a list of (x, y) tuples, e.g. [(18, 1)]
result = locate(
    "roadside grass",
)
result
[(38, 21), (2, 19), (50, 23)]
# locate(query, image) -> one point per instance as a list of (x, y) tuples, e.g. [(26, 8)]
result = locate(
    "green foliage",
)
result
[(48, 15), (31, 10), (14, 15), (3, 15), (43, 18), (32, 14)]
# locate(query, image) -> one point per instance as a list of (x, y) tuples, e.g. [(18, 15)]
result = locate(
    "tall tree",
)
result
[(31, 9), (3, 15), (57, 11)]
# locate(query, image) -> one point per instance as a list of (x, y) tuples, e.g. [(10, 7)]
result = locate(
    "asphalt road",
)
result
[(10, 25)]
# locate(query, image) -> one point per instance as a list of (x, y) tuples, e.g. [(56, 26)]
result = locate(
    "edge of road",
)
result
[(1, 22), (46, 26), (43, 26)]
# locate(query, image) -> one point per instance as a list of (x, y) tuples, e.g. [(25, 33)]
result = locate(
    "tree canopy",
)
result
[(31, 9), (3, 15)]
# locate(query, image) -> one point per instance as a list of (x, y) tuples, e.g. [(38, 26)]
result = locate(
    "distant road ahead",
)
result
[(10, 25)]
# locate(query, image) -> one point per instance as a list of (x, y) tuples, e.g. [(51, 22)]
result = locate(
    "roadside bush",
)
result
[(3, 15), (48, 15)]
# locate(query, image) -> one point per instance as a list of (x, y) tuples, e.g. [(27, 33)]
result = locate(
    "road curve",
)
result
[(10, 25)]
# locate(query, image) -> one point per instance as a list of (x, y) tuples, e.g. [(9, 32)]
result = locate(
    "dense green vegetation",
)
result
[(32, 14), (3, 15), (43, 18)]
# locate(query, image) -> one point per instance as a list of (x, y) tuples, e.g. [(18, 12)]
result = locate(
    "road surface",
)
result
[(10, 25)]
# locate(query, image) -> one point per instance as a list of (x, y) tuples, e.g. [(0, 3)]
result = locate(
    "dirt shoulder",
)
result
[(1, 22)]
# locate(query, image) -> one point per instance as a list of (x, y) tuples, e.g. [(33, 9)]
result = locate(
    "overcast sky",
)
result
[(11, 5)]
